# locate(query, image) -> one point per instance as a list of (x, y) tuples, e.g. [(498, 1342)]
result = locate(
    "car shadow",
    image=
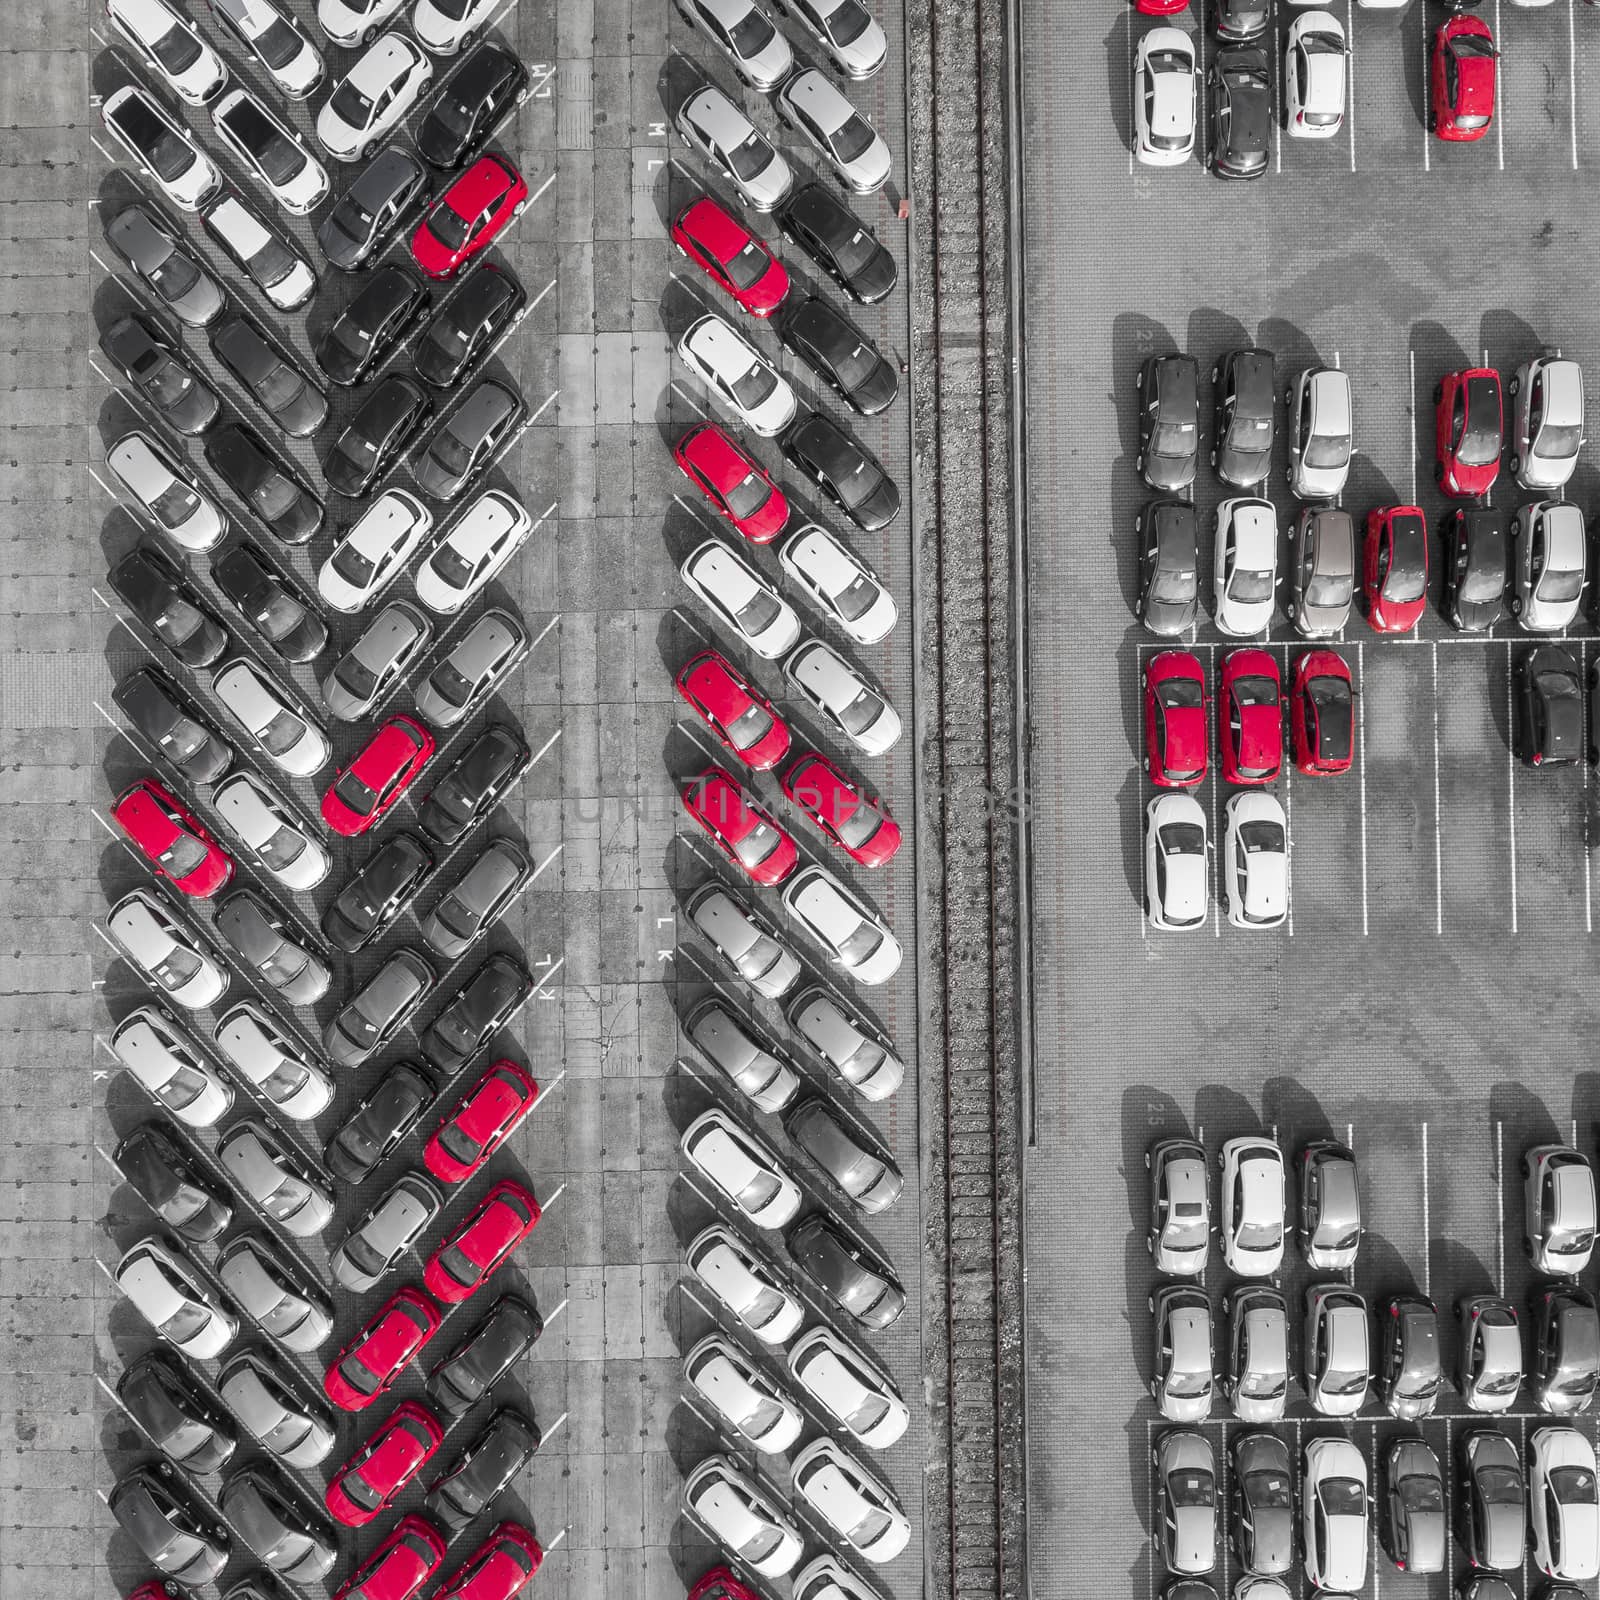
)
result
[(1118, 46)]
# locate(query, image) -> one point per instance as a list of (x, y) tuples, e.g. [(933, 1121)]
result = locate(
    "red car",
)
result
[(856, 822), (1174, 720), (172, 839), (740, 826), (465, 1260), (736, 484), (481, 203), (400, 1566), (1323, 715), (720, 1584), (1394, 568), (1462, 78), (480, 1122), (731, 256), (736, 711), (500, 1566), (371, 1480), (1469, 427), (1250, 716), (386, 767), (384, 1348), (1160, 8)]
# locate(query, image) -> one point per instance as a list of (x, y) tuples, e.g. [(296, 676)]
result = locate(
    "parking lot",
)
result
[(1430, 992)]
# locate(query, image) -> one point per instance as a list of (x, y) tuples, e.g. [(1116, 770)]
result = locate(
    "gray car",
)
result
[(1322, 572), (1263, 1503), (276, 1177), (163, 1174), (749, 945), (467, 441), (1493, 1501), (484, 1469), (1182, 1381), (274, 379), (477, 663), (368, 211), (1186, 1517), (477, 899), (381, 656), (281, 954), (180, 1416), (285, 1534), (270, 1406), (1330, 1205), (848, 1158), (175, 1530), (144, 241), (274, 1295), (1169, 585), (1413, 1525), (1490, 1372), (1410, 1374), (379, 1007), (1257, 1377), (1179, 1236), (1244, 388), (846, 1272), (390, 1227), (850, 1045), (753, 1065), (1566, 1349), (153, 363)]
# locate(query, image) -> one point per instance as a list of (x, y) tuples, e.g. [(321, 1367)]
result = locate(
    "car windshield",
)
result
[(272, 262), (860, 943), (1172, 438), (1174, 584), (753, 387), (279, 45), (452, 568), (1560, 585), (757, 844), (185, 1322), (1557, 443), (853, 140), (361, 1492), (351, 565), (278, 612), (746, 266), (1422, 1492), (356, 676), (847, 22), (871, 1527), (748, 495), (753, 33), (183, 856), (280, 386), (1558, 686), (168, 152), (367, 1259), (857, 597), (450, 685), (1328, 591), (358, 1375), (1183, 839), (451, 229), (174, 969), (455, 113), (1183, 1385), (285, 1079), (759, 1548), (459, 1145), (355, 794), (758, 1191), (279, 158), (1469, 45), (750, 158), (862, 712), (1573, 1486), (1267, 1490), (282, 733), (350, 105), (1255, 691), (452, 452), (758, 613), (1340, 1381), (1260, 1384), (175, 276), (858, 826), (1192, 1487), (1327, 449), (175, 504), (164, 381), (1343, 1497), (457, 916), (1500, 1486), (284, 965), (750, 727), (177, 50), (1249, 586)]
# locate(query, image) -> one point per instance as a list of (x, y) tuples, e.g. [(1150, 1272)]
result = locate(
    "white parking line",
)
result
[(1511, 793), (1202, 143), (1438, 849), (1288, 803), (1427, 1226), (1588, 906), (1499, 112), (1413, 355), (1500, 1210), (1572, 85), (1427, 92), (1361, 762), (1277, 110), (1350, 90)]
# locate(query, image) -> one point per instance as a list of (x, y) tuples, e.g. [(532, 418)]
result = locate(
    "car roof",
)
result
[(716, 115), (388, 58), (1255, 534), (1564, 538), (386, 522), (486, 179), (714, 227), (1562, 382), (819, 98)]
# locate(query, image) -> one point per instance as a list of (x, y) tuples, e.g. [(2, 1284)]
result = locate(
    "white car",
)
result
[(272, 150), (747, 1285), (183, 511), (1164, 98), (1177, 865), (712, 124), (266, 1056), (742, 1395), (166, 1289), (445, 26), (744, 32), (1255, 860), (373, 98), (855, 937), (849, 1388), (1546, 429), (855, 1503), (161, 149), (276, 41), (742, 598), (280, 728), (738, 375), (172, 1067), (1321, 437), (373, 551), (181, 962), (1563, 1507), (1558, 1209), (745, 1168), (1548, 565), (268, 832), (1314, 76), (738, 1513), (170, 45), (475, 548), (270, 261), (840, 583), (809, 103), (844, 697), (846, 30), (1333, 1515), (1252, 1207), (1246, 582), (353, 22)]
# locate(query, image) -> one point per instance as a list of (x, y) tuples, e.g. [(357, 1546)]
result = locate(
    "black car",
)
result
[(1168, 574), (157, 592), (372, 1014), (466, 442), (261, 250), (381, 889), (154, 364), (1566, 1348), (1410, 1371), (851, 1160), (143, 239), (474, 783), (467, 107), (485, 1469), (1241, 111), (843, 471), (839, 242), (162, 1174), (1242, 19), (477, 898), (462, 332), (182, 1419), (171, 721), (378, 1125), (365, 215), (840, 353), (372, 441), (285, 1534), (1243, 387), (372, 324), (274, 491), (273, 379), (848, 1274), (271, 601), (1169, 429), (173, 1530), (489, 999), (480, 1361), (281, 954), (1549, 701), (1475, 569)]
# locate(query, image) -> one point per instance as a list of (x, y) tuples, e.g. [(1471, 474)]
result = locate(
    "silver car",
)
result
[(1330, 1205), (273, 1063), (167, 491), (276, 1177), (849, 1044), (274, 1295), (1548, 565), (478, 898), (1182, 1382), (1186, 1513), (742, 1394), (167, 950), (161, 147), (855, 937), (844, 138), (143, 240), (1263, 1503), (744, 32), (1546, 429), (371, 1016), (391, 1226), (171, 1067), (708, 121), (754, 1067), (1490, 1371), (1179, 1237), (1338, 1370), (381, 656), (850, 1159), (746, 1281), (272, 944), (271, 714), (1257, 1376), (742, 598), (748, 944), (846, 30), (272, 1409), (1322, 572), (1558, 1209), (167, 1289), (269, 832), (477, 664), (862, 714), (1320, 433), (267, 30)]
